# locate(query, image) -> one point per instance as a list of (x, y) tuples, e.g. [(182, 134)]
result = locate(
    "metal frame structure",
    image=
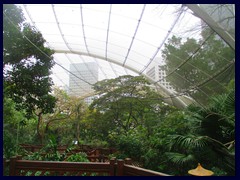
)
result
[(173, 98)]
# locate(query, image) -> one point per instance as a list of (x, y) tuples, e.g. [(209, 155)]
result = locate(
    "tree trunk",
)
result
[(40, 136), (78, 131)]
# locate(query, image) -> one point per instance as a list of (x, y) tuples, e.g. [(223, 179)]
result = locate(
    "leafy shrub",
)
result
[(9, 145), (130, 145), (96, 143), (78, 157), (118, 155)]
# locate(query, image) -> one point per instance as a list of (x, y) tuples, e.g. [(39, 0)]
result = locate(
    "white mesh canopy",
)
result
[(124, 38)]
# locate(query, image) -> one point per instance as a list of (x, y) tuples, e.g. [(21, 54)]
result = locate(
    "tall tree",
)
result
[(65, 121), (189, 63), (27, 63), (127, 102)]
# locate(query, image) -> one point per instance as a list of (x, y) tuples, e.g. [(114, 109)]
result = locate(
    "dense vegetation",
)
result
[(26, 67), (128, 115), (199, 68), (163, 138)]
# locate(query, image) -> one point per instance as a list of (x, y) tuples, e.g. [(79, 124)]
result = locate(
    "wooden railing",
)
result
[(81, 148), (19, 167), (93, 155), (125, 168)]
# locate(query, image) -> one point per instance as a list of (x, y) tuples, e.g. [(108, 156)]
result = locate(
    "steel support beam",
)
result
[(212, 24)]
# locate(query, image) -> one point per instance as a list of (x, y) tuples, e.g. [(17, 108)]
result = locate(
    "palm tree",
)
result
[(213, 142)]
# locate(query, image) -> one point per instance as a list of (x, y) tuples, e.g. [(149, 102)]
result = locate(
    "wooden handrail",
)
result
[(22, 167), (80, 148), (112, 168), (129, 170)]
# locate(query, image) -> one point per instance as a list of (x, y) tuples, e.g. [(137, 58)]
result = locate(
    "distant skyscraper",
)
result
[(86, 71), (156, 72)]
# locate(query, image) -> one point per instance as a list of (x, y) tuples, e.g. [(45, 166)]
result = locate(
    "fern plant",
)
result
[(213, 138)]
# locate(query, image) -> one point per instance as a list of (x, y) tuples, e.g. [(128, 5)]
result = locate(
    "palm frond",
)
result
[(180, 159), (187, 142), (230, 103)]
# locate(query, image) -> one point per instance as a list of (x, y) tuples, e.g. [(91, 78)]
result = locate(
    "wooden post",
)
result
[(112, 166), (12, 166), (128, 161), (120, 164), (101, 158), (32, 148), (19, 157), (4, 165), (97, 153)]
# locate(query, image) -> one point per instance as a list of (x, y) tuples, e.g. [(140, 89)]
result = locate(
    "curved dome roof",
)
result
[(125, 38)]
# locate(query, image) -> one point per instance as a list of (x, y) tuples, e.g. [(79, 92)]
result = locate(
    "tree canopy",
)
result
[(191, 65), (27, 63), (128, 101)]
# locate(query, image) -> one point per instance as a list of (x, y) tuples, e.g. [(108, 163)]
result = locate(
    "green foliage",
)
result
[(218, 118), (78, 157), (152, 157), (218, 172), (9, 144), (27, 82), (196, 142), (37, 156), (30, 173), (126, 103), (202, 149), (14, 122), (208, 143), (118, 155), (154, 147), (164, 139), (180, 159), (130, 144), (66, 120), (198, 60), (51, 151), (96, 143)]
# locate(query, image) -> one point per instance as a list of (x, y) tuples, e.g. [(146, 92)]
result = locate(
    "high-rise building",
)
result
[(87, 74), (157, 72)]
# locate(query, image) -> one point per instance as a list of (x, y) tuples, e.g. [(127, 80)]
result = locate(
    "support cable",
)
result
[(222, 70), (109, 18), (84, 35), (24, 36), (189, 82), (59, 28), (106, 51), (62, 35), (75, 65), (70, 89), (202, 83), (162, 43), (29, 15), (199, 12), (187, 59), (139, 21), (66, 43), (80, 78)]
